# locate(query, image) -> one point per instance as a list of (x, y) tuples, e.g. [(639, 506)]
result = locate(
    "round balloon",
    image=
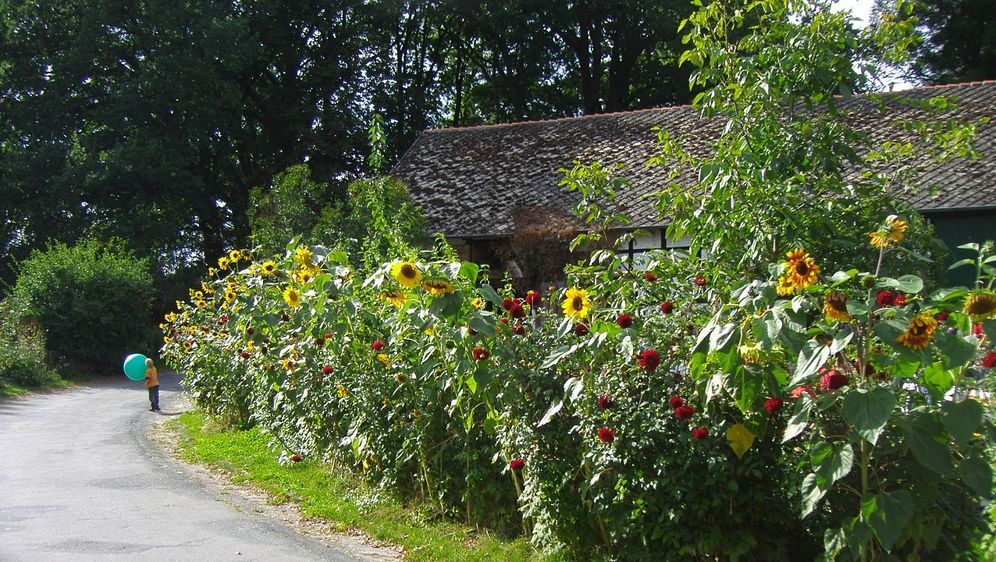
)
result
[(134, 366)]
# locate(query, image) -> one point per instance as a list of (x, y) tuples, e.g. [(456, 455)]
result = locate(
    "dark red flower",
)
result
[(249, 330), (649, 276), (327, 369), (507, 303), (296, 458), (223, 319), (481, 354), (885, 298), (942, 316), (667, 307), (503, 320), (516, 310), (699, 280), (284, 317), (581, 330), (245, 355), (534, 298), (978, 331), (328, 335), (320, 340), (604, 402), (625, 320), (471, 331), (676, 402), (648, 359), (518, 329), (606, 435), (833, 380), (799, 390), (989, 361), (900, 300), (516, 464), (772, 405), (684, 412), (700, 433), (377, 345)]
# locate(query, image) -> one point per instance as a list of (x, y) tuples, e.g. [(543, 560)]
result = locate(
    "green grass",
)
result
[(16, 390), (341, 499)]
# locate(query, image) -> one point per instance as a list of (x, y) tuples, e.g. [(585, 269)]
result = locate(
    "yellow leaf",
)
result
[(740, 439)]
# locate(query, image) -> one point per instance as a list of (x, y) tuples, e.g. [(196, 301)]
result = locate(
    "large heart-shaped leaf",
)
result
[(869, 410)]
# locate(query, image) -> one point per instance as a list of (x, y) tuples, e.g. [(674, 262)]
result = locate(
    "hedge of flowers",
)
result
[(635, 414)]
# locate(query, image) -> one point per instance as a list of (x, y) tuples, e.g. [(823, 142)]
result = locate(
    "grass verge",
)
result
[(18, 390), (341, 499)]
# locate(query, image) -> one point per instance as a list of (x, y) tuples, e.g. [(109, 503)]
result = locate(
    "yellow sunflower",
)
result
[(395, 297), (201, 304), (304, 275), (212, 271), (269, 268), (223, 263), (287, 364), (229, 296), (303, 256), (801, 269), (576, 303), (919, 332), (477, 302), (170, 317), (234, 255), (206, 288), (785, 287), (292, 297), (406, 273), (384, 359), (196, 295), (835, 306), (981, 304), (437, 286), (342, 391), (892, 232)]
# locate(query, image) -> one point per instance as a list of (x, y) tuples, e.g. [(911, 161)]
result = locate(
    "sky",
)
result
[(861, 9)]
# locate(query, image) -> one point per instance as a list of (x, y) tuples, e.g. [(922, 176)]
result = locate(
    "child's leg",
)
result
[(155, 398)]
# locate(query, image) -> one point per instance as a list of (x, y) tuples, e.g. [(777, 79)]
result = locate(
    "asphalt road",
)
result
[(80, 479)]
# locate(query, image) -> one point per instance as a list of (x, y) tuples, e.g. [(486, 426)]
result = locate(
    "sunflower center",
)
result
[(801, 268), (577, 303), (407, 271)]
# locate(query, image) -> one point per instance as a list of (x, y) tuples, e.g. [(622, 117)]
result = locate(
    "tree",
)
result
[(960, 41)]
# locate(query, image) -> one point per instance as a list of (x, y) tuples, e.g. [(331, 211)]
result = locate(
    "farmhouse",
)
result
[(476, 184)]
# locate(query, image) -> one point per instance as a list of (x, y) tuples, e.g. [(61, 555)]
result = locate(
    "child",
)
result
[(152, 381)]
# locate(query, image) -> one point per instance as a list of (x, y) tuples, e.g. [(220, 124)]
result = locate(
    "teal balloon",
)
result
[(134, 366)]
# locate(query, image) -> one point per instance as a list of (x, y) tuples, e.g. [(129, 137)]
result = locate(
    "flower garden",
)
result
[(676, 411)]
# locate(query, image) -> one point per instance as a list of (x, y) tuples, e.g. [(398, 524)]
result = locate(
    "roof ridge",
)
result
[(454, 129)]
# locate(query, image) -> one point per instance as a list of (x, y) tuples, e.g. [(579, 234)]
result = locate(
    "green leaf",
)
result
[(744, 387), (887, 514), (869, 410), (811, 358), (483, 322), (471, 383), (989, 328), (937, 379), (909, 284), (961, 419), (978, 474), (956, 351), (924, 436), (830, 462), (800, 418), (469, 271), (722, 336), (812, 492), (489, 294), (557, 354), (550, 412), (959, 263), (840, 341)]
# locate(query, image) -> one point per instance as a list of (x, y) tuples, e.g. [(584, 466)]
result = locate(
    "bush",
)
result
[(22, 349), (94, 300)]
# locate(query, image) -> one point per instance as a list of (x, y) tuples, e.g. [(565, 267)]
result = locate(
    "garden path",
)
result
[(81, 479)]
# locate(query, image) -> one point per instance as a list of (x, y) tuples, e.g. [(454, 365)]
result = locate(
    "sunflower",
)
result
[(201, 304), (384, 359), (195, 295), (304, 275), (835, 306), (406, 273), (800, 269), (234, 255), (229, 296), (170, 317), (223, 263), (287, 364), (919, 332), (342, 391), (206, 288), (269, 268), (292, 297), (303, 256), (212, 271), (981, 304), (576, 303), (186, 346), (395, 297), (437, 286), (477, 302), (892, 232), (785, 287)]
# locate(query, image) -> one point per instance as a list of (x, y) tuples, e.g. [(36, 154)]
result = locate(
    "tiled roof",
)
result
[(470, 180)]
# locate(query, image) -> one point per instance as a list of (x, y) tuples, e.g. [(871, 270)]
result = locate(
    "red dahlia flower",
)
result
[(684, 412), (296, 458), (676, 402), (604, 402), (700, 280), (249, 330), (625, 320), (772, 405), (377, 345), (516, 311), (518, 329), (833, 380), (581, 330), (649, 276), (481, 353), (516, 464), (667, 307), (989, 361), (327, 369), (606, 435), (328, 335), (978, 331), (885, 298), (942, 316), (804, 389), (507, 303), (245, 355), (648, 359), (534, 298), (900, 300), (700, 433)]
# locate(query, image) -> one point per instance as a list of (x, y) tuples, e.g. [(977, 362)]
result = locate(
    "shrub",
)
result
[(93, 299), (22, 349)]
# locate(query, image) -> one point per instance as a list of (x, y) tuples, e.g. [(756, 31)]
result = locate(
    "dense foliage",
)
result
[(93, 300), (22, 349), (960, 41)]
